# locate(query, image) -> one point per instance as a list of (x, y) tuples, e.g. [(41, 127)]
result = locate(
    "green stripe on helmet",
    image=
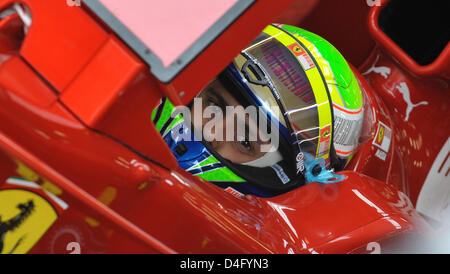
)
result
[(345, 80), (208, 161), (167, 110), (222, 174)]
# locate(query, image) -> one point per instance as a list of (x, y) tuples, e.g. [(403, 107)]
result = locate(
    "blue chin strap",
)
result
[(316, 171), (188, 151)]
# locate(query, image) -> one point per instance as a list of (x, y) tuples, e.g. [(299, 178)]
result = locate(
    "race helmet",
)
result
[(345, 91), (292, 83)]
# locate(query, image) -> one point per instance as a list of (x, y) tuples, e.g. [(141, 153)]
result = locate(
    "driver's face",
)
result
[(238, 150)]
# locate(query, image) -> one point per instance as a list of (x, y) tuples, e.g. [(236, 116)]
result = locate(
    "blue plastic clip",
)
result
[(324, 176)]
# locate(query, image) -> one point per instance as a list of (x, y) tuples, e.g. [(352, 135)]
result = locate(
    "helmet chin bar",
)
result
[(261, 181), (268, 159)]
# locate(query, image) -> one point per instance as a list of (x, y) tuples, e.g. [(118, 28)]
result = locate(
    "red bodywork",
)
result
[(75, 106)]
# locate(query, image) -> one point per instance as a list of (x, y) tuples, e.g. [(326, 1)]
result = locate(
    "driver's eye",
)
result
[(246, 144), (214, 100)]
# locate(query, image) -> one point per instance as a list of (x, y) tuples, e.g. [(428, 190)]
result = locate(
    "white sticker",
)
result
[(300, 162), (281, 174), (306, 61), (323, 148), (383, 137), (347, 129), (381, 154), (234, 192)]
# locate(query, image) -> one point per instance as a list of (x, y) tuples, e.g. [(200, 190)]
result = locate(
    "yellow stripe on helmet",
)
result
[(318, 85)]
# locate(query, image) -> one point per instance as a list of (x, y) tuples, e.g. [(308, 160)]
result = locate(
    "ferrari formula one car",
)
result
[(84, 170)]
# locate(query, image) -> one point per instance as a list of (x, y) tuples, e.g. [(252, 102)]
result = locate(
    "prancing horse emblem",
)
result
[(13, 223)]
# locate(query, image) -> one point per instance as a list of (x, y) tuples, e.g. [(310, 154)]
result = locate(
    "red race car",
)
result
[(85, 166)]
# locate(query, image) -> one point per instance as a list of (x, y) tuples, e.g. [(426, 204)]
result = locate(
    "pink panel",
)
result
[(168, 27)]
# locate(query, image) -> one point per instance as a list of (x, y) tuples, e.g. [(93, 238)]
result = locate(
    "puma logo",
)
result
[(404, 90), (382, 70)]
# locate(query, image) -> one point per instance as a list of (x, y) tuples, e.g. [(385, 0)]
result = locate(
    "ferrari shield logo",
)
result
[(383, 137), (324, 146), (296, 49), (380, 136), (325, 134), (24, 218), (302, 56)]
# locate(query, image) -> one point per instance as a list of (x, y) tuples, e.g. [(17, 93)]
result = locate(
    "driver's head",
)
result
[(232, 129), (257, 126)]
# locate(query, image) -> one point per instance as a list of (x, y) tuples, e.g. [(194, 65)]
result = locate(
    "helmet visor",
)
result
[(277, 80)]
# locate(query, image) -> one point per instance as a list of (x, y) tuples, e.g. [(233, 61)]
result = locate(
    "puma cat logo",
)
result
[(382, 70), (404, 90)]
